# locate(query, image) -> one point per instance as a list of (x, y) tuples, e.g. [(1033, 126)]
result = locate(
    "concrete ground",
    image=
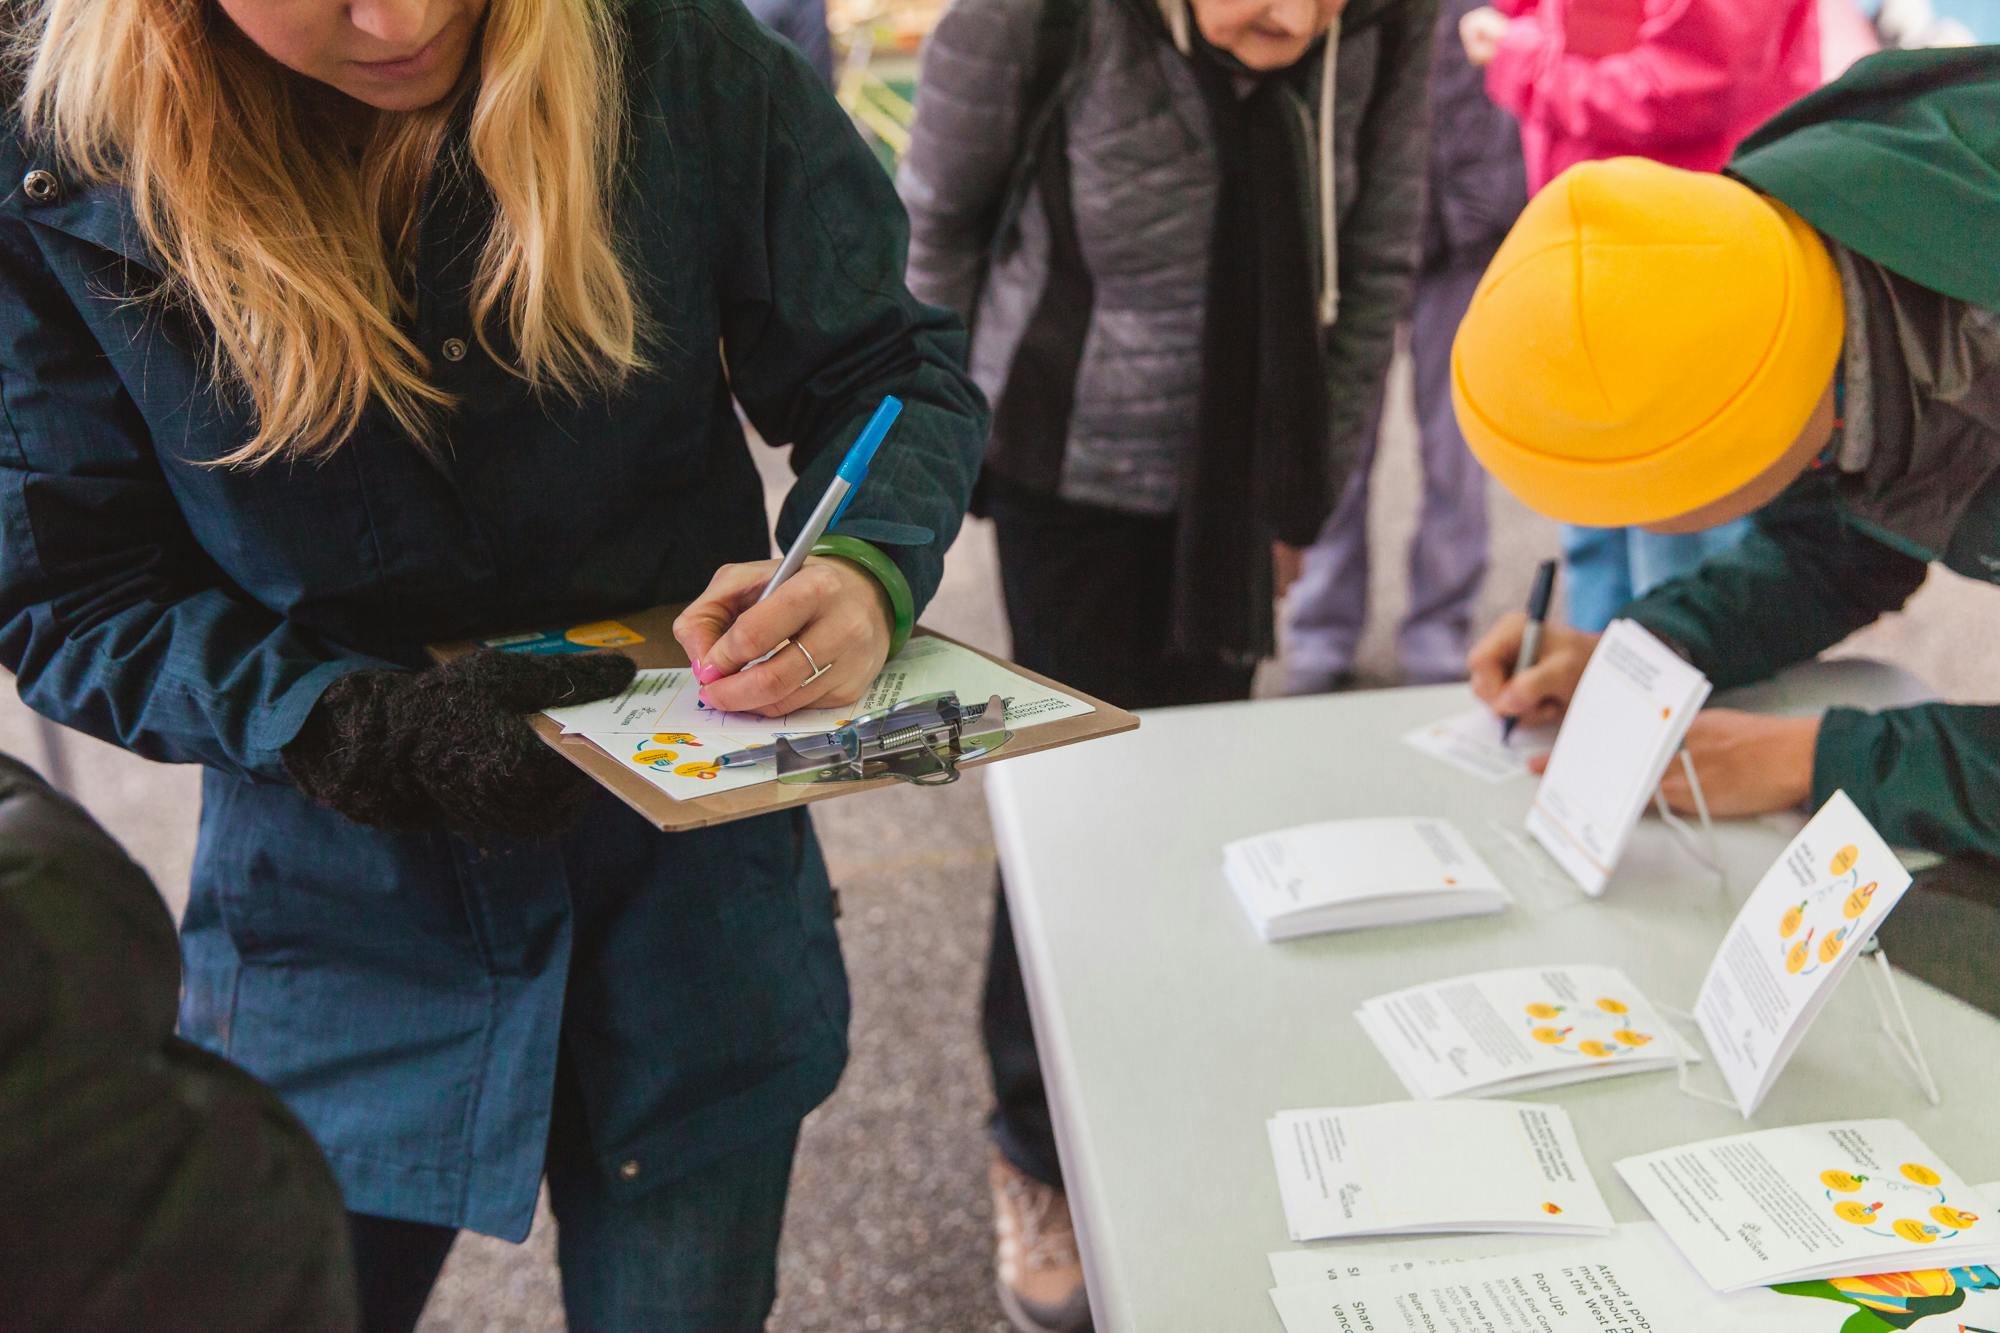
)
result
[(889, 1221)]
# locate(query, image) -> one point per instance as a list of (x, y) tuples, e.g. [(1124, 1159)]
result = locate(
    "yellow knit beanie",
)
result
[(1646, 341)]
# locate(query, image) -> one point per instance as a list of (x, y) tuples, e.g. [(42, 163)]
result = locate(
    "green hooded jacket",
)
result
[(1898, 166)]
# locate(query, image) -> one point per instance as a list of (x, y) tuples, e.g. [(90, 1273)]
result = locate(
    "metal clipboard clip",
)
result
[(922, 741)]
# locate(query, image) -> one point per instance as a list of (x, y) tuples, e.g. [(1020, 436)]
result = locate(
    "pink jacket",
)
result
[(1700, 75)]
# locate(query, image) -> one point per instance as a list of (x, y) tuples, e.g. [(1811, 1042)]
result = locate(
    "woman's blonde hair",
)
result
[(301, 252)]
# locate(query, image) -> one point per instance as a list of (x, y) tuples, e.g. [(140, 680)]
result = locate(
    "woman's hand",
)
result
[(1749, 764), (1538, 695), (1481, 31), (831, 613)]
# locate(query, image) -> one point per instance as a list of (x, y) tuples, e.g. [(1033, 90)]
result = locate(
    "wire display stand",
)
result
[(1698, 839), (1891, 1016)]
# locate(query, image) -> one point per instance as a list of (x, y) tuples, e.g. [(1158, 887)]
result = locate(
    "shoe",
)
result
[(1040, 1272)]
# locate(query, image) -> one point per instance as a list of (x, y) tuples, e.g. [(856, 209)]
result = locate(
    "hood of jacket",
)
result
[(1897, 163), (1898, 160)]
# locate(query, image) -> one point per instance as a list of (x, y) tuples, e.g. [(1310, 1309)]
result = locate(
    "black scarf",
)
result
[(1259, 470)]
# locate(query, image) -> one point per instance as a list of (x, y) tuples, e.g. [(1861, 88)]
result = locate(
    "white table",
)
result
[(1169, 1032)]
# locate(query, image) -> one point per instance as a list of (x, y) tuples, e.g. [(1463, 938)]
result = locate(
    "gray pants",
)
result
[(1329, 604)]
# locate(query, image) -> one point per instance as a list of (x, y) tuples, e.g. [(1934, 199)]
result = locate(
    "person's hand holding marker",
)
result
[(1537, 696)]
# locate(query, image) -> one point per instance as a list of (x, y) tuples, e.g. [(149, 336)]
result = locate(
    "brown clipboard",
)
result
[(657, 647)]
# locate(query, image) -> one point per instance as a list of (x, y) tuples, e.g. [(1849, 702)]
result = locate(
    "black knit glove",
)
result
[(450, 747)]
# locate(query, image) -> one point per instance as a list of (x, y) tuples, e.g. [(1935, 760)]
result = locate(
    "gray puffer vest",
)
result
[(1088, 310)]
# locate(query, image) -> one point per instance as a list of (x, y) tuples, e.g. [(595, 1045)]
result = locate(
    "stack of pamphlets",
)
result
[(1519, 1029), (1813, 1202), (1409, 1168), (1624, 725), (1354, 873), (1809, 918)]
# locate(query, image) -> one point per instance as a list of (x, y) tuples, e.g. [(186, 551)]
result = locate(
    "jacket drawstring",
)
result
[(1176, 12), (1177, 15), (1329, 235)]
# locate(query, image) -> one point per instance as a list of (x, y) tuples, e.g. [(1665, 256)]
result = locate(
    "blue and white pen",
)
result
[(853, 469)]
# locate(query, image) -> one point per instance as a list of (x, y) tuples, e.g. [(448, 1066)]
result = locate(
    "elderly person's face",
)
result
[(1265, 34), (394, 55)]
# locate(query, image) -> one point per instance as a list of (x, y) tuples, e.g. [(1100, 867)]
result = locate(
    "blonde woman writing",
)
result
[(330, 328)]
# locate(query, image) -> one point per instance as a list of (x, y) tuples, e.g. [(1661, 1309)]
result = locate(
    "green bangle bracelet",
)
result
[(870, 557)]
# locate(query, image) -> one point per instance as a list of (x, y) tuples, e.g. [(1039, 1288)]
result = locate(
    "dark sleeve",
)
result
[(112, 619), (1378, 237), (817, 323), (85, 920), (965, 142), (137, 1174), (1927, 776), (1801, 580)]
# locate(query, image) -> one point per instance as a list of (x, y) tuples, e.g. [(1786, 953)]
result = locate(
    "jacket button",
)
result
[(628, 1169), (39, 186), (454, 349)]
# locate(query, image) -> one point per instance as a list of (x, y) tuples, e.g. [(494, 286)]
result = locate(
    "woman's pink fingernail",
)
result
[(707, 674)]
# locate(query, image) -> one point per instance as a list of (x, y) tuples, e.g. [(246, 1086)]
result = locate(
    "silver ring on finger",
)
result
[(817, 669)]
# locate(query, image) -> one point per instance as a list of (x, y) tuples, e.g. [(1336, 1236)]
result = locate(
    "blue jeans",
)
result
[(697, 1255), (1606, 569)]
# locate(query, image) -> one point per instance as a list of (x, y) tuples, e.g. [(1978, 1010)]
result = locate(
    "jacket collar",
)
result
[(1919, 364), (94, 212)]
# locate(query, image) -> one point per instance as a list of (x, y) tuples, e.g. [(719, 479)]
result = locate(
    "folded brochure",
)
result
[(1519, 1029), (1632, 1280), (1803, 926), (1812, 1202), (1627, 1281), (1471, 742), (1353, 873), (1623, 727), (1405, 1168)]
